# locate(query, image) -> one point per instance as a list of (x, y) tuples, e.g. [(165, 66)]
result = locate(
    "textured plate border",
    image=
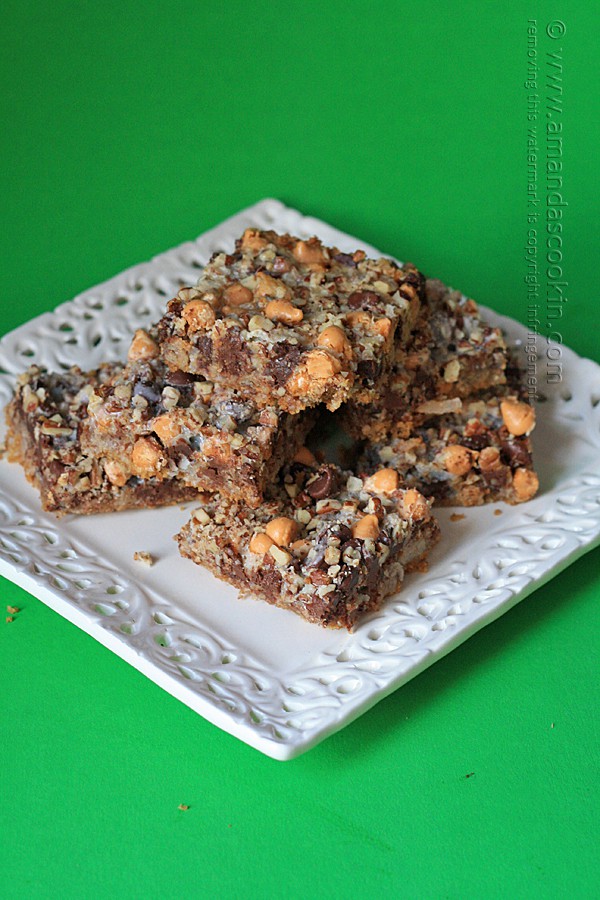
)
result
[(284, 714)]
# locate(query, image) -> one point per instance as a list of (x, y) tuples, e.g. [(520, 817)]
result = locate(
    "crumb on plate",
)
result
[(144, 557)]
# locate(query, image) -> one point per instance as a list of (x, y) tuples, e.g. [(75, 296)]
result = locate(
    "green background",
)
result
[(130, 127)]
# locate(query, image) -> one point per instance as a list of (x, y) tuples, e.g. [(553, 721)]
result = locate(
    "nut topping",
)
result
[(489, 459)]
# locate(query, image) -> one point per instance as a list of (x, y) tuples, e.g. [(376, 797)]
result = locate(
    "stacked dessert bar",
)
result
[(216, 402)]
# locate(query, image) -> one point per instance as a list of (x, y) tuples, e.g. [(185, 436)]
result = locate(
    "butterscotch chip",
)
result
[(335, 339), (309, 252), (282, 530), (283, 311), (146, 457), (359, 319), (166, 428), (489, 458), (260, 543), (269, 288), (414, 504), (519, 418), (237, 295), (320, 364), (366, 528), (199, 315), (385, 481), (458, 460), (252, 240), (525, 484), (383, 327), (142, 346), (116, 472)]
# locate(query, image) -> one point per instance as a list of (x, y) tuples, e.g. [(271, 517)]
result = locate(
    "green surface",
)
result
[(129, 128)]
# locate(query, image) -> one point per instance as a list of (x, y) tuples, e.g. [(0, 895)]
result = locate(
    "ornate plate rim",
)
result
[(283, 715)]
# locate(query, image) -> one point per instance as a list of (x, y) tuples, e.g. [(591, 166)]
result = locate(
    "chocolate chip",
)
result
[(515, 454), (343, 533), (286, 359), (147, 391), (476, 441), (233, 353), (281, 265), (497, 478), (180, 448), (204, 350), (368, 369), (437, 489), (363, 300), (378, 508), (55, 468), (178, 379), (345, 259), (239, 410), (349, 580), (323, 484), (373, 569), (412, 276)]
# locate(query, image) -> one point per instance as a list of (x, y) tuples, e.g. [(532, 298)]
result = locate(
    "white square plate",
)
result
[(263, 674)]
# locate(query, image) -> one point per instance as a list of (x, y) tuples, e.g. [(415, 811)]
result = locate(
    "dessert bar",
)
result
[(326, 544), (452, 354), (148, 421), (478, 454), (45, 419), (292, 323)]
